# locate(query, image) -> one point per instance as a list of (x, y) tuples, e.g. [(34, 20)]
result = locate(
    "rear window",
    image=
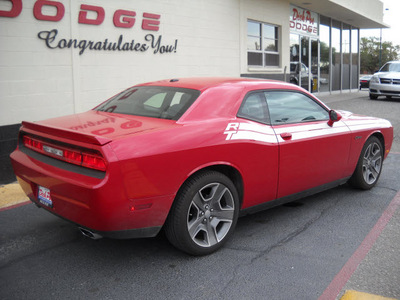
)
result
[(152, 101)]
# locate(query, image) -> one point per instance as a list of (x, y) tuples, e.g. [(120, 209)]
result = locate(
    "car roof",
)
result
[(203, 83)]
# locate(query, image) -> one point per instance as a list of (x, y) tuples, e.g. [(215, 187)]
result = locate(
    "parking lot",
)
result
[(295, 251)]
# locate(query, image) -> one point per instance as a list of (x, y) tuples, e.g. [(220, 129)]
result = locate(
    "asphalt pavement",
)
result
[(372, 267), (375, 268)]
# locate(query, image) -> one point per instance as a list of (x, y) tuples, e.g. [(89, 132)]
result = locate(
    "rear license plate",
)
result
[(44, 196)]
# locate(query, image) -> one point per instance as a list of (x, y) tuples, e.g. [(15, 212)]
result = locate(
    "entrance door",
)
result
[(295, 59), (305, 79), (304, 66), (314, 65)]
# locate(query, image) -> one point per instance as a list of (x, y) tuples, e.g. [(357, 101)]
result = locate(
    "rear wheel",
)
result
[(204, 214), (369, 165)]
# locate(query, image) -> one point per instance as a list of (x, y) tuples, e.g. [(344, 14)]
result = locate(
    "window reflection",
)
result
[(324, 54), (354, 59), (262, 44), (336, 57), (346, 56)]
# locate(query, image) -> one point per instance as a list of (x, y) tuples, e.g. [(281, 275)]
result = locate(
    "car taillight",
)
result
[(78, 157), (93, 162), (73, 157), (33, 144)]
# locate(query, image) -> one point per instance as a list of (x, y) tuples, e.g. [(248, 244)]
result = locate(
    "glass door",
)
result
[(295, 59), (304, 62), (314, 66), (305, 79)]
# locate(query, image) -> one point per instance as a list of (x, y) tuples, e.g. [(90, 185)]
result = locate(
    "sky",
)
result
[(391, 16)]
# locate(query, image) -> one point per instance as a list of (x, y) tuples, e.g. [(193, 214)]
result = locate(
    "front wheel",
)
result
[(372, 96), (369, 165), (204, 214)]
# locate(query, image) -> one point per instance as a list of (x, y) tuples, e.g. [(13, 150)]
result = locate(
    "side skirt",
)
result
[(290, 198)]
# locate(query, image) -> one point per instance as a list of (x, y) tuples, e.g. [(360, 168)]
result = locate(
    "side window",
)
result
[(254, 108), (292, 107), (155, 101)]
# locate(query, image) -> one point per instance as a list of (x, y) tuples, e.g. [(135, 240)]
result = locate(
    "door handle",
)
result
[(286, 135)]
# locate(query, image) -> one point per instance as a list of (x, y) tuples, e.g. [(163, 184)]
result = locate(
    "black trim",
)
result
[(131, 233), (269, 122), (274, 76), (61, 164), (290, 198), (242, 115)]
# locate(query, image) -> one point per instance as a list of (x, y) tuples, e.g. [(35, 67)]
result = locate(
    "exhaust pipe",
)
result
[(90, 234)]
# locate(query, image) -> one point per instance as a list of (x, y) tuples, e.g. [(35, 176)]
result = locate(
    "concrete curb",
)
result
[(11, 194)]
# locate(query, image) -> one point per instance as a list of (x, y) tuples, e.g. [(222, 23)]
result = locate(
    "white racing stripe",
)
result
[(300, 132), (269, 134), (265, 133), (252, 132)]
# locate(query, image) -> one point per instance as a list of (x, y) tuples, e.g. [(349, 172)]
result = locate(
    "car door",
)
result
[(311, 152), (259, 150)]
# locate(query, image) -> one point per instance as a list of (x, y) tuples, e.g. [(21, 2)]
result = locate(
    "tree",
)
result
[(369, 54)]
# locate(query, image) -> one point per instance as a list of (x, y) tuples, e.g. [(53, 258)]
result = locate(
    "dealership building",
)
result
[(66, 56)]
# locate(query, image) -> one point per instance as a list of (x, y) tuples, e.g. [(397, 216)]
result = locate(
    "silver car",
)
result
[(386, 82)]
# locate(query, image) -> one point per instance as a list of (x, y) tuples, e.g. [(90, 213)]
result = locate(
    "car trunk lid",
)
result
[(95, 127)]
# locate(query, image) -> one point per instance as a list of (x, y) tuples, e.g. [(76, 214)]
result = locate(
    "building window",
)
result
[(336, 55), (325, 37), (262, 44), (354, 58)]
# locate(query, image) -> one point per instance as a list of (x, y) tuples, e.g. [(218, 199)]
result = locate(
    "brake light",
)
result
[(33, 144), (93, 162), (73, 156)]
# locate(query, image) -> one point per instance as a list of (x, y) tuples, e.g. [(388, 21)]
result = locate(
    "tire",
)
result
[(372, 96), (369, 165), (388, 97), (204, 214)]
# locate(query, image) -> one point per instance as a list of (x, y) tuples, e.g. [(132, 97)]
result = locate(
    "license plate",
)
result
[(44, 196)]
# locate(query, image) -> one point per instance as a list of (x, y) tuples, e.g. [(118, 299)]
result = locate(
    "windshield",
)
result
[(152, 101), (391, 67)]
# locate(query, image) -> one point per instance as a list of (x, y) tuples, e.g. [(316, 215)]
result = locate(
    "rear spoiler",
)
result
[(35, 128)]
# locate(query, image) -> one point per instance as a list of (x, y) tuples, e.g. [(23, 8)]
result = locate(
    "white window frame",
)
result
[(263, 52)]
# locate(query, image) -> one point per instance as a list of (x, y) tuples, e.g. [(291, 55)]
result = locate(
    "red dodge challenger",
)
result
[(191, 155)]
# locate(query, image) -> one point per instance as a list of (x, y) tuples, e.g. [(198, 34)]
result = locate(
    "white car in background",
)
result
[(386, 82)]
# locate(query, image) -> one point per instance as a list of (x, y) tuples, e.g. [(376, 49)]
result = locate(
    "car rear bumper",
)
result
[(380, 89), (97, 204)]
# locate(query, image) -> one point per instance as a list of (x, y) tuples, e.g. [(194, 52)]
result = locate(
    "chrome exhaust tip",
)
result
[(90, 234)]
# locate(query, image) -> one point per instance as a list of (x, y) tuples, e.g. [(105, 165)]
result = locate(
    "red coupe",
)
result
[(191, 155)]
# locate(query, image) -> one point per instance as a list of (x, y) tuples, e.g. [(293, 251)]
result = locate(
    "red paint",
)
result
[(340, 280), (151, 22), (121, 18), (148, 159), (83, 19), (15, 9), (124, 18), (15, 205), (37, 10), (305, 16)]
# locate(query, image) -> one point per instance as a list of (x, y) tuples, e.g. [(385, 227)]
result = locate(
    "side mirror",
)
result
[(334, 116)]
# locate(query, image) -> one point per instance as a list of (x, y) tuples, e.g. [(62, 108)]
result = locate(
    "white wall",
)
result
[(275, 12), (38, 83)]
